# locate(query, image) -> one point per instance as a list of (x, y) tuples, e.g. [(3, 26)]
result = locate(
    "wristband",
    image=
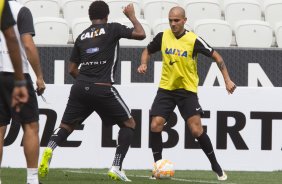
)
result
[(20, 83)]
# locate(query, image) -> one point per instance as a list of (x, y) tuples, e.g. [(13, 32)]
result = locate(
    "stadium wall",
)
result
[(247, 67), (245, 128)]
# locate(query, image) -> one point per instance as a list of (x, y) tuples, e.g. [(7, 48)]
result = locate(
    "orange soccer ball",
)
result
[(163, 169)]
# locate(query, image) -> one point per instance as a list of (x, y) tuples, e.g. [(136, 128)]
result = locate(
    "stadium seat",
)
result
[(217, 33), (236, 10), (129, 42), (278, 34), (261, 2), (253, 33), (116, 8), (79, 25), (157, 9), (221, 3), (73, 9), (273, 11), (201, 9), (160, 25), (43, 8), (163, 24), (51, 30)]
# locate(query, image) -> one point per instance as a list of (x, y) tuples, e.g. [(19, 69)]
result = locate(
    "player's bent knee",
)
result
[(156, 127), (157, 123)]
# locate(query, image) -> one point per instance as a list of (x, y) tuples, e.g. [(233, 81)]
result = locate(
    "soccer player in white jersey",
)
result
[(20, 94), (28, 116)]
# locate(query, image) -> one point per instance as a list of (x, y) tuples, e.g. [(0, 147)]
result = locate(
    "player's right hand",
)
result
[(142, 68), (19, 97), (129, 11), (40, 86)]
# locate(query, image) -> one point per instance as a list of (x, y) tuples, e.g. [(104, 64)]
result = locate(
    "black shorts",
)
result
[(29, 111), (85, 98), (166, 101)]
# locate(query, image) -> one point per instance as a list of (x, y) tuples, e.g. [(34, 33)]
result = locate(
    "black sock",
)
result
[(157, 145), (59, 135), (125, 137), (206, 146)]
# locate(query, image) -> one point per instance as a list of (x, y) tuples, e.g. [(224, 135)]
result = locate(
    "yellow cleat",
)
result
[(45, 161), (115, 174)]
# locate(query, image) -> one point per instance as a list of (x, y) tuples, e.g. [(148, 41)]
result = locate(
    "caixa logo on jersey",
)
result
[(222, 130), (178, 52)]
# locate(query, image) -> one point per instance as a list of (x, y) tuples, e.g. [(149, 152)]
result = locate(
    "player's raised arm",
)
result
[(138, 32)]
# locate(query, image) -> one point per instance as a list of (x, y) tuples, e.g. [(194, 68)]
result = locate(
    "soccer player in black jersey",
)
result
[(20, 94), (179, 82), (96, 50)]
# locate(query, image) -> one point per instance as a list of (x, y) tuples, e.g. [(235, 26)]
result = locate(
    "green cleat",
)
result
[(45, 161), (115, 174)]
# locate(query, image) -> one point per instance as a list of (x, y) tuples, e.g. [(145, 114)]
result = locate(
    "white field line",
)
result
[(143, 176)]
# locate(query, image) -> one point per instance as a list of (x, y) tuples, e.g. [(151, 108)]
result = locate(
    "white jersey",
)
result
[(5, 61)]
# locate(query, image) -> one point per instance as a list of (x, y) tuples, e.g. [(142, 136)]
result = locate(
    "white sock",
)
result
[(32, 176), (116, 167)]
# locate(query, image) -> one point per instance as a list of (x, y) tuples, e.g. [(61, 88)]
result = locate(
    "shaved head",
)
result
[(177, 10), (177, 20)]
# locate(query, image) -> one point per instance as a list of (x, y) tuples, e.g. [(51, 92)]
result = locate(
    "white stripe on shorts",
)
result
[(122, 103)]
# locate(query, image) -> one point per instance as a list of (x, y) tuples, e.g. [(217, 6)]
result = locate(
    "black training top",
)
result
[(25, 22), (96, 50), (6, 17)]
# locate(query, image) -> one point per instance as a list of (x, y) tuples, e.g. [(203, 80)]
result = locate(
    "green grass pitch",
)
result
[(99, 176)]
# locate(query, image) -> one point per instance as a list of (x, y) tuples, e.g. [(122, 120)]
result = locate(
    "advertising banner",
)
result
[(244, 128)]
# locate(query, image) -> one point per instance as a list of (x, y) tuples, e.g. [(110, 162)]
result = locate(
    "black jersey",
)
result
[(6, 16), (96, 51)]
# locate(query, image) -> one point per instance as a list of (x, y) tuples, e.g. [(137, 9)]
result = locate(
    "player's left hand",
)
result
[(230, 86)]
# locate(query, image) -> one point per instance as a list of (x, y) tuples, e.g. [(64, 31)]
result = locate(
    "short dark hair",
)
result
[(98, 10)]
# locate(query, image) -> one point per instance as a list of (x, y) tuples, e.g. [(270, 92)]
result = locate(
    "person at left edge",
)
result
[(19, 94), (29, 115)]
